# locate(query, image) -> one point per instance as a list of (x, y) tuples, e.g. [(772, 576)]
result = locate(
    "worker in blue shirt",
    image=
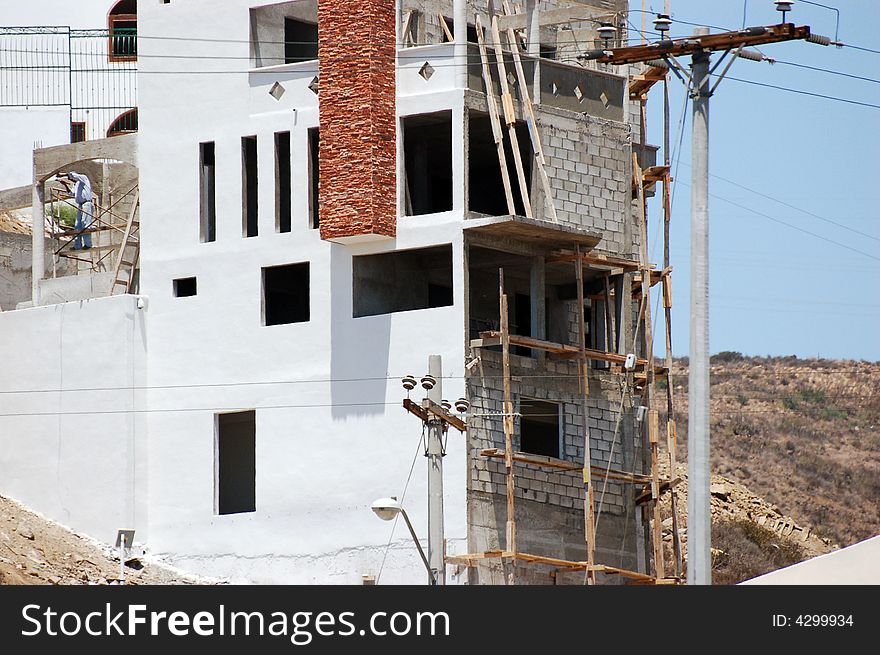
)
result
[(82, 195)]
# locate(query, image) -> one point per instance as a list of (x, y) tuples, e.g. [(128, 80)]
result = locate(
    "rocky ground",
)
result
[(34, 550)]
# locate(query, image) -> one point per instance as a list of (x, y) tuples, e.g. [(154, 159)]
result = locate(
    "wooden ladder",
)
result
[(129, 252)]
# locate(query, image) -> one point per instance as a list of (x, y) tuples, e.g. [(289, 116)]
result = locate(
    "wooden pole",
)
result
[(497, 134), (510, 118), (589, 519), (510, 535), (513, 44), (671, 436), (657, 535)]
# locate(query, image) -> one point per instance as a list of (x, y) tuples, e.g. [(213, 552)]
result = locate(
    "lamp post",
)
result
[(386, 509)]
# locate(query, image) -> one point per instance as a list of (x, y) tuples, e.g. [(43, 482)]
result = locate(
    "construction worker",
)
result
[(82, 195)]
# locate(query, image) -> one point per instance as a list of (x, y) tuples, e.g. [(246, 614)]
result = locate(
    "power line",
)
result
[(806, 93), (792, 226), (826, 70), (790, 206), (856, 47)]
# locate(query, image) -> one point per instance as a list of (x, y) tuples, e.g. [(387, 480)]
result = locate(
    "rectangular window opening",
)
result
[(249, 186), (427, 154), (77, 132), (282, 181), (539, 427), (300, 41), (286, 294), (235, 463), (314, 177), (207, 195), (401, 281), (483, 265), (284, 33), (184, 287), (450, 26), (485, 185)]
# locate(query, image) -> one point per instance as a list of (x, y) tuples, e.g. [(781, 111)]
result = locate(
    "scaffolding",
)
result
[(114, 228), (638, 375)]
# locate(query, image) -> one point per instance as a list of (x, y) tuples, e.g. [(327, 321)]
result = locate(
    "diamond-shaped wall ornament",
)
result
[(554, 89), (426, 71), (604, 99), (511, 78), (578, 94), (314, 85), (276, 91)]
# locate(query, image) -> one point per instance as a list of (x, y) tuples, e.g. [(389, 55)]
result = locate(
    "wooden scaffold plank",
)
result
[(510, 118), (589, 516), (656, 531), (497, 133), (531, 120), (507, 406)]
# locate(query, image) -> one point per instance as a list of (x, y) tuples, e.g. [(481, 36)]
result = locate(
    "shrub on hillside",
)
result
[(747, 550), (726, 356)]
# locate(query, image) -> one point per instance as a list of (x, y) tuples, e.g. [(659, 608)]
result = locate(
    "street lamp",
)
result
[(386, 509)]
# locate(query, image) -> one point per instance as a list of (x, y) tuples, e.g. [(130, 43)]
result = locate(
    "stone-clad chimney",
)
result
[(358, 152)]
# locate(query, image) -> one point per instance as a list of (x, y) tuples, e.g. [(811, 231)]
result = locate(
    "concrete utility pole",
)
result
[(699, 47), (435, 476), (699, 569)]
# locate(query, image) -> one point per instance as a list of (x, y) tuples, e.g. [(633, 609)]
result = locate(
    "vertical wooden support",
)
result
[(671, 437), (510, 118), (589, 519), (657, 535), (531, 121), (609, 325), (510, 543), (497, 134)]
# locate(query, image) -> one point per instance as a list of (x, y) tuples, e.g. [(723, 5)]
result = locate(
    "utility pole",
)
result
[(699, 570), (434, 453), (663, 53), (436, 419)]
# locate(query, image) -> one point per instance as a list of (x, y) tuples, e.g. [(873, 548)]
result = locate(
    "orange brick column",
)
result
[(358, 151)]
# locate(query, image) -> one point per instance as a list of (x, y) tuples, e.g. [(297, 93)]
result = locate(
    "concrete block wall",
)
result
[(553, 382), (549, 503), (432, 32), (589, 165)]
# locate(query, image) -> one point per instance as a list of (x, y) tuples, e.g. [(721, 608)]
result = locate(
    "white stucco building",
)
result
[(243, 409)]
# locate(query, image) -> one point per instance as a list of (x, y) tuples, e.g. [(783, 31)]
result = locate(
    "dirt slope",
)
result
[(34, 550)]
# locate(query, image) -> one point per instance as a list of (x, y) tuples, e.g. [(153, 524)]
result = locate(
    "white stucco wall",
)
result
[(70, 445), (20, 130), (858, 564), (331, 435)]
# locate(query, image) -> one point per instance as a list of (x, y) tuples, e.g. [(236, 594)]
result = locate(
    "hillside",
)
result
[(34, 550), (803, 435)]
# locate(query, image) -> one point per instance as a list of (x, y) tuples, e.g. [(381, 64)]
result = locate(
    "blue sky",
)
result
[(773, 289)]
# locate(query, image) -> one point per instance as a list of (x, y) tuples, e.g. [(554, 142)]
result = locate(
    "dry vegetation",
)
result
[(802, 434)]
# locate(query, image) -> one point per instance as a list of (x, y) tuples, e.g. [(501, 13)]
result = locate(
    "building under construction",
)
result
[(321, 195)]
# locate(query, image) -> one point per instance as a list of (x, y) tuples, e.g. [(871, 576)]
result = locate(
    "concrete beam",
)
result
[(48, 161), (550, 17), (22, 196)]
